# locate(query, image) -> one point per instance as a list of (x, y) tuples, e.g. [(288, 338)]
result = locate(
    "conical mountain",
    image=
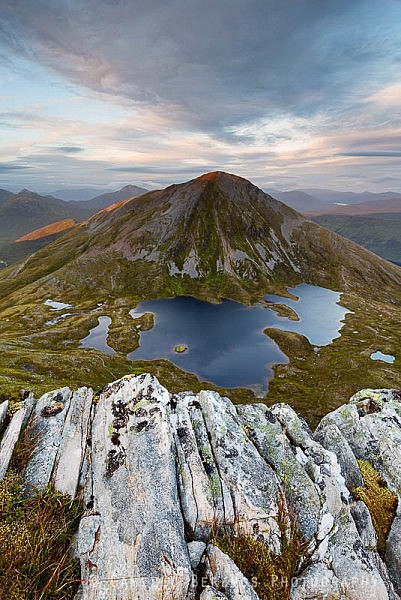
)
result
[(214, 236)]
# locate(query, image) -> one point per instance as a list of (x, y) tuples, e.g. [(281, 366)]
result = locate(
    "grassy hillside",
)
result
[(379, 235)]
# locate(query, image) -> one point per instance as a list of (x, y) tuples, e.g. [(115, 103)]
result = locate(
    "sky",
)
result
[(287, 93)]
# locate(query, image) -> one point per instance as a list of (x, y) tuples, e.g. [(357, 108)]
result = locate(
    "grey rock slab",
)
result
[(224, 575), (358, 576), (217, 487), (11, 435), (133, 545), (3, 413), (384, 574), (371, 424), (73, 442), (316, 582), (196, 550), (363, 521), (269, 437), (210, 593), (252, 483), (393, 553), (45, 429), (198, 490), (332, 439)]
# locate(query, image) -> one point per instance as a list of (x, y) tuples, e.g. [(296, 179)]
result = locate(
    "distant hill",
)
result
[(26, 211), (371, 207), (299, 200), (381, 236), (29, 217), (105, 200), (5, 195), (334, 196), (78, 194)]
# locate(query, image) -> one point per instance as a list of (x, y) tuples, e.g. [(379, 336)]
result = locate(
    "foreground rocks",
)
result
[(160, 473)]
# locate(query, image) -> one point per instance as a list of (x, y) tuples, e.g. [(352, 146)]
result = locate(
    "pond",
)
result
[(224, 343), (388, 358)]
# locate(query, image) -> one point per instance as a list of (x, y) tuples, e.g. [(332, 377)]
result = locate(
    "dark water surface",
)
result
[(226, 343)]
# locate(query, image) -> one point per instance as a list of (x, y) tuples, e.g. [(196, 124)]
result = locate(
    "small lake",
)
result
[(388, 358), (98, 336), (226, 343)]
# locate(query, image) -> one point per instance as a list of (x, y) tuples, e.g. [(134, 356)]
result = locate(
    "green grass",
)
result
[(380, 500), (270, 574), (35, 535)]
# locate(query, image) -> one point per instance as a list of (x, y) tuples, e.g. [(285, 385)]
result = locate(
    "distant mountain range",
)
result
[(322, 200), (26, 212), (40, 216)]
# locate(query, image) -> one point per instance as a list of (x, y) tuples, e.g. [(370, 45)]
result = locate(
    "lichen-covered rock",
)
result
[(351, 564), (73, 443), (198, 481), (316, 581), (252, 483), (159, 474), (132, 542), (331, 438), (45, 429), (364, 525), (210, 593), (371, 424), (269, 437), (196, 550)]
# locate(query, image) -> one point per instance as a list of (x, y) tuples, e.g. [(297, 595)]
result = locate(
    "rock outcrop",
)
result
[(161, 474)]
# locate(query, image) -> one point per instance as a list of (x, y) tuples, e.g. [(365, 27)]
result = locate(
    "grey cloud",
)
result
[(69, 149), (9, 167), (166, 169), (210, 64), (374, 153)]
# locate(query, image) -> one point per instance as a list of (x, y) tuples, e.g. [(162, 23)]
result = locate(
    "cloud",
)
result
[(283, 92), (375, 153), (69, 149), (9, 168), (210, 65)]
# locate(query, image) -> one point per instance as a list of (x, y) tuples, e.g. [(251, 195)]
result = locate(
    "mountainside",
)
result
[(26, 211), (217, 236), (379, 235), (5, 195)]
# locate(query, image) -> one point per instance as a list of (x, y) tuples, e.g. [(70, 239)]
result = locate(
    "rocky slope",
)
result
[(160, 474)]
